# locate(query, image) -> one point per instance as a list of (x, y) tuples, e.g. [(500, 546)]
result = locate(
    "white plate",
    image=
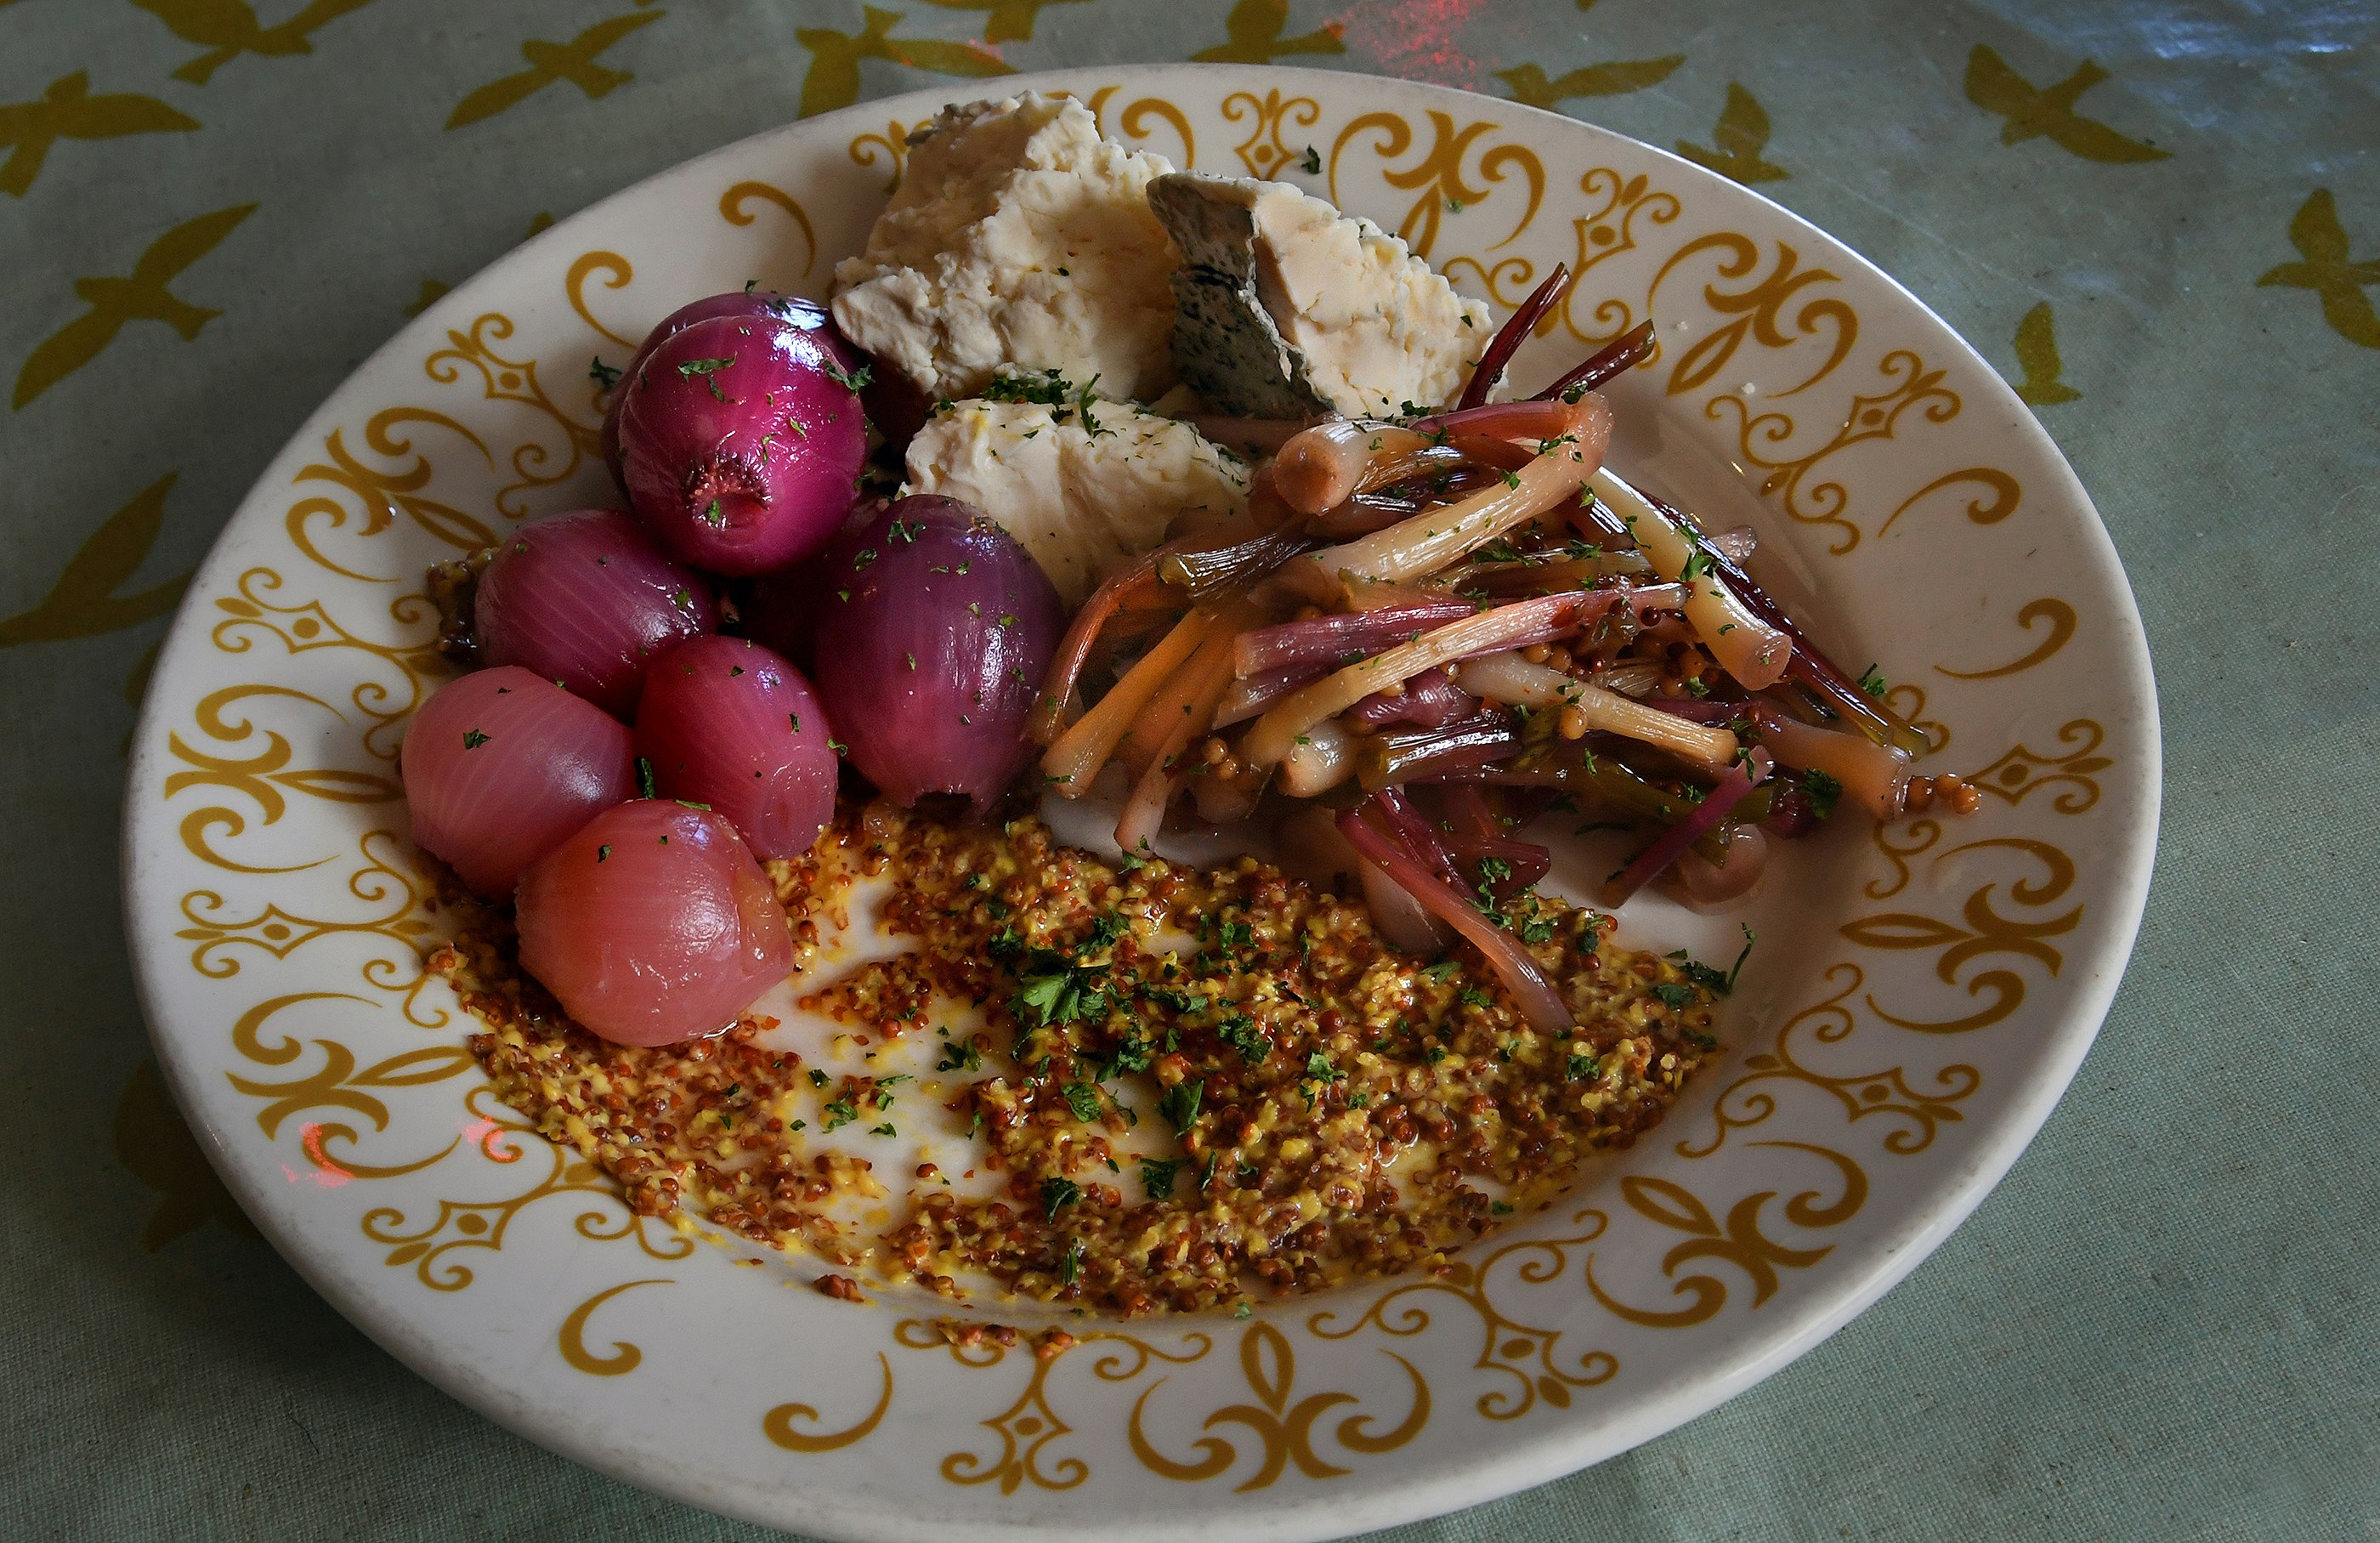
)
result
[(1919, 1000)]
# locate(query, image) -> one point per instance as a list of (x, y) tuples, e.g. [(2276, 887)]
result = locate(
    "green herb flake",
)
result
[(706, 368), (1822, 789), (473, 739), (1057, 1193), (1241, 1033), (1179, 1104)]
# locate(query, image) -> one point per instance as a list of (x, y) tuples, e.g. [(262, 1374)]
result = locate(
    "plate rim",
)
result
[(1550, 1451)]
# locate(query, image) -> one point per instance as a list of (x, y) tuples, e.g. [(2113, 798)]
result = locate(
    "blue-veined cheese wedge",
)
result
[(1018, 237), (1085, 485), (1287, 308)]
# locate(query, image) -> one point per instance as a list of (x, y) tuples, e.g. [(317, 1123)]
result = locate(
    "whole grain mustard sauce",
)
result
[(1191, 1085)]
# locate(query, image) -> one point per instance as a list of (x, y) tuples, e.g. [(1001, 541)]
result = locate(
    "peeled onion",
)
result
[(791, 310), (501, 765), (740, 443), (587, 599), (1700, 884), (732, 725), (781, 610), (937, 629), (653, 924)]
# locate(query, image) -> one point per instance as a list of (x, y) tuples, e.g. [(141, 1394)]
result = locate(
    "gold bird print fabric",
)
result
[(2158, 221)]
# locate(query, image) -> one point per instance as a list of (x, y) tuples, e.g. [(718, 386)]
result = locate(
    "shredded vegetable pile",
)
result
[(1437, 626)]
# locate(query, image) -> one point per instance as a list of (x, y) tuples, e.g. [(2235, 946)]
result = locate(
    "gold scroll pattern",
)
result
[(2023, 772), (1266, 152), (735, 204), (1981, 932), (1758, 312), (385, 496), (1029, 1425), (1463, 167), (890, 145), (2062, 623), (1531, 1357), (535, 462), (1812, 499), (1739, 1239), (463, 1227), (1281, 1421), (571, 1338), (1134, 121)]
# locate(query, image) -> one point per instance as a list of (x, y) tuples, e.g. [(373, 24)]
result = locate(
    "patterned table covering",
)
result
[(2162, 220)]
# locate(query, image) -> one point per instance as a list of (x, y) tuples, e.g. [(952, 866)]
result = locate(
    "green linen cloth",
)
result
[(2164, 219)]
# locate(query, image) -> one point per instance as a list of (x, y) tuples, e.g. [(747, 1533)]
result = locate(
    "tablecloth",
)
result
[(2162, 219)]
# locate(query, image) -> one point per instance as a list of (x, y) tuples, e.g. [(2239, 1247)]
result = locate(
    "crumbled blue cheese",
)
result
[(1288, 307), (1018, 237), (1085, 486)]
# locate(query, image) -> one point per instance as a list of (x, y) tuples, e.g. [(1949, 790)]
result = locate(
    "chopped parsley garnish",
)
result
[(1313, 161), (644, 776), (1057, 1193), (706, 368), (1050, 388), (840, 1113), (473, 739), (1180, 1103), (854, 382), (1241, 1033), (714, 516), (1675, 993), (1057, 992), (603, 852), (959, 1056), (1083, 1100), (884, 1129), (1822, 789), (1872, 681), (1582, 1068), (1713, 980), (1157, 1175), (602, 374)]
